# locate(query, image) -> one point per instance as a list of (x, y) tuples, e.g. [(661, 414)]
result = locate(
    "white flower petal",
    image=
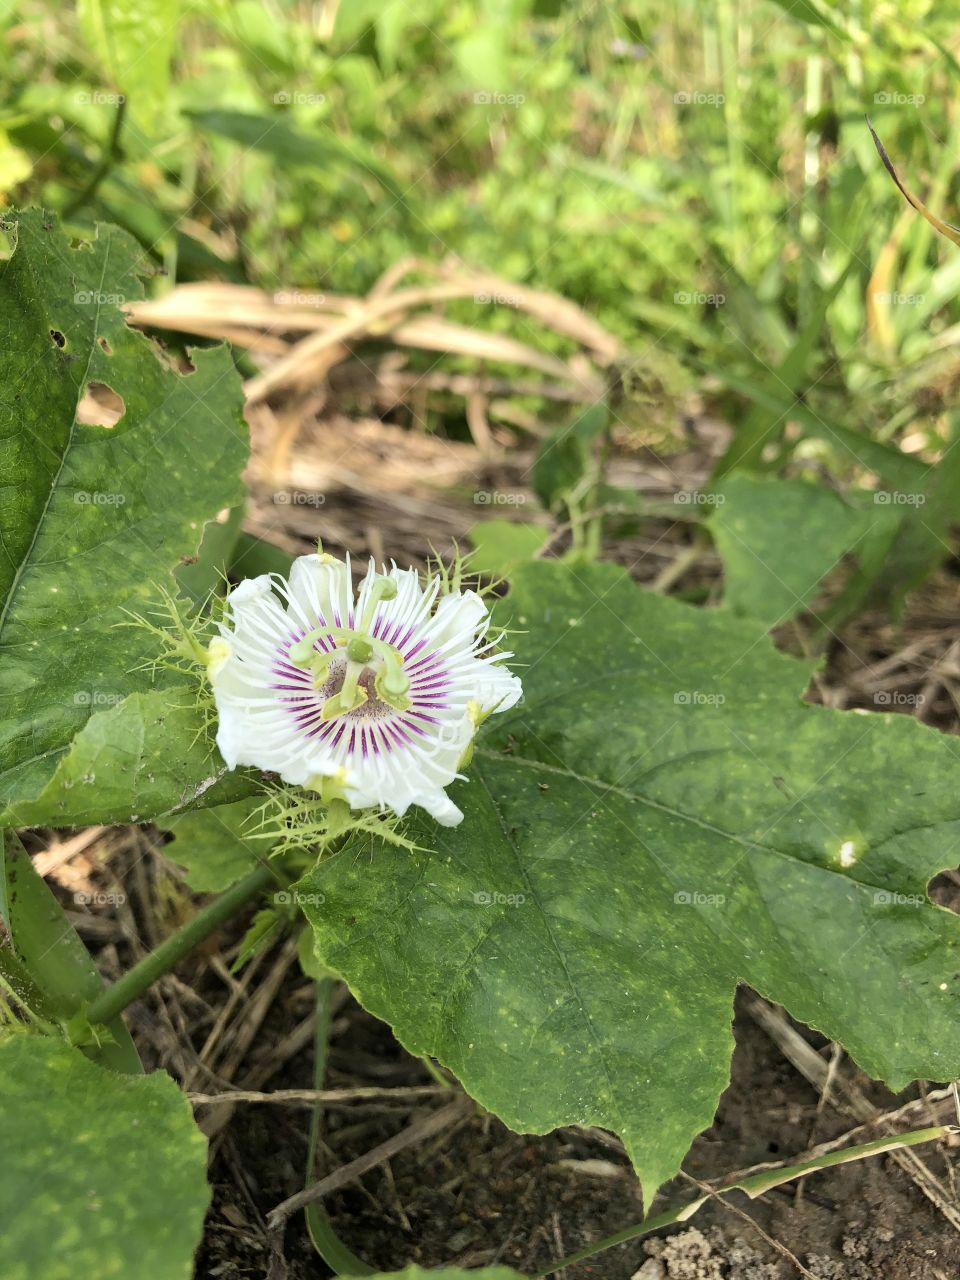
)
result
[(459, 619), (439, 805), (319, 586), (497, 689), (258, 619)]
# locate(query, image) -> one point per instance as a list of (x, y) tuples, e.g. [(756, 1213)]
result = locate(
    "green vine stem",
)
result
[(111, 153), (325, 1240), (172, 950), (753, 1186)]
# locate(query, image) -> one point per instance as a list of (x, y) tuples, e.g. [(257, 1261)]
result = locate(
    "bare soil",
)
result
[(481, 1194)]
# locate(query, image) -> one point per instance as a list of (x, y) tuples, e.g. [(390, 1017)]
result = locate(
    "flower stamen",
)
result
[(365, 653)]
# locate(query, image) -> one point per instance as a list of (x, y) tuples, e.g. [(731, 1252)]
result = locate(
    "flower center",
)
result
[(370, 707), (360, 669)]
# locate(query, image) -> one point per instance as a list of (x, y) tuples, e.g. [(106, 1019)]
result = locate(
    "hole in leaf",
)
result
[(105, 346), (8, 240), (58, 338), (170, 355), (944, 890), (100, 406)]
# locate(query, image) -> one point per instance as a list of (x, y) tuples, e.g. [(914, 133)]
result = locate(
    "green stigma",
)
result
[(364, 654)]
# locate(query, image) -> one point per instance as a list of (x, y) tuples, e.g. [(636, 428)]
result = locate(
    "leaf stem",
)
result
[(325, 1240), (111, 153), (435, 1071), (172, 950)]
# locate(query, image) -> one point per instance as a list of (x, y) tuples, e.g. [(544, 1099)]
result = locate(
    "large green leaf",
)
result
[(214, 845), (499, 545), (661, 818), (95, 516), (898, 536), (928, 512), (201, 577), (102, 1174), (779, 538)]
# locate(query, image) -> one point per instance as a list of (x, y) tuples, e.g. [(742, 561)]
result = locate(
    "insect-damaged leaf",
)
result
[(96, 517)]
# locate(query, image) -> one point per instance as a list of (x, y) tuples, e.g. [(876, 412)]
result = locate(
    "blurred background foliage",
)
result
[(698, 176)]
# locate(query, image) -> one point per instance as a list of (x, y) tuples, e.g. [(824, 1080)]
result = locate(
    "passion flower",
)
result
[(374, 700)]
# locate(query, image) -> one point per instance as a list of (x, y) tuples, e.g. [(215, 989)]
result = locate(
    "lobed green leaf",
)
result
[(661, 818)]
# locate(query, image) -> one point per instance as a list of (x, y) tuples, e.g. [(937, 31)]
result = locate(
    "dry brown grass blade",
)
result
[(417, 1131), (554, 312), (242, 304), (434, 334), (383, 320), (552, 309), (258, 321), (847, 1098), (318, 352), (951, 232), (310, 1097), (879, 323), (479, 425)]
